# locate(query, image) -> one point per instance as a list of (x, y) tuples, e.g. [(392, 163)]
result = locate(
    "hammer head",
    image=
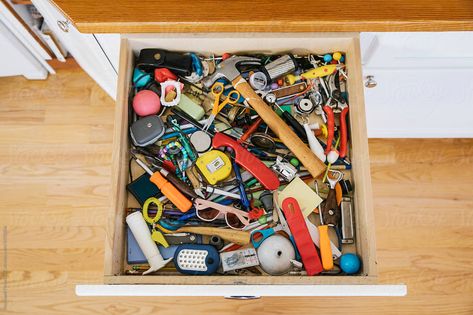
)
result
[(229, 69)]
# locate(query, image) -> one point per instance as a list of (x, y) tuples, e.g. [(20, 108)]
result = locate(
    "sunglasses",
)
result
[(209, 211)]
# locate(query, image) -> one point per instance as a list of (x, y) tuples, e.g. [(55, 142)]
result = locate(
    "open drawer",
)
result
[(362, 284)]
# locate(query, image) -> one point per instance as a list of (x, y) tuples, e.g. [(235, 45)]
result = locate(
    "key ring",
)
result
[(159, 211)]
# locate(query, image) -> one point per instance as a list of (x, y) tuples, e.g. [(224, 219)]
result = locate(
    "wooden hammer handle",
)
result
[(280, 128), (234, 236)]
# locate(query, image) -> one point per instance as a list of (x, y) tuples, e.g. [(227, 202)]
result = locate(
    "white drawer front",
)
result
[(241, 291)]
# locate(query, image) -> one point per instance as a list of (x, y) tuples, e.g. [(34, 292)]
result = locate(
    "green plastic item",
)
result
[(191, 108), (295, 162)]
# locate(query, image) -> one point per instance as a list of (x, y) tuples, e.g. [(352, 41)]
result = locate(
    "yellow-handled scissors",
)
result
[(217, 90)]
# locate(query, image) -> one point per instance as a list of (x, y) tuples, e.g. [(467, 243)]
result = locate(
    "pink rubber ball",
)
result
[(146, 103)]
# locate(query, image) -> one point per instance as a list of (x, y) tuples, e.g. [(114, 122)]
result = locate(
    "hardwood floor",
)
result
[(55, 155)]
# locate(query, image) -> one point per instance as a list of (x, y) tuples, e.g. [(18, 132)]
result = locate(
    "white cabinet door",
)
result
[(16, 59), (419, 50), (110, 44), (424, 84), (420, 104), (83, 47)]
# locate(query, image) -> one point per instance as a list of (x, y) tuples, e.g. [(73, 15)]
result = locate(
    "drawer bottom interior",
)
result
[(280, 257)]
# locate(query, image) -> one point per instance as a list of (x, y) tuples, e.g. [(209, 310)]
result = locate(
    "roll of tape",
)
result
[(201, 141)]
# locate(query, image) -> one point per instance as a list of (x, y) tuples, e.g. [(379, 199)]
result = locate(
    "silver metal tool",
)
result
[(280, 67), (348, 229)]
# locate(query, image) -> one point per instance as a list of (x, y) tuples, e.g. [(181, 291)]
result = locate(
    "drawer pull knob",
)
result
[(243, 297), (63, 25), (370, 82)]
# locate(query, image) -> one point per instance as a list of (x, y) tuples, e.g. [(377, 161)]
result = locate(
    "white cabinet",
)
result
[(16, 59), (21, 53), (420, 104), (424, 84), (83, 47)]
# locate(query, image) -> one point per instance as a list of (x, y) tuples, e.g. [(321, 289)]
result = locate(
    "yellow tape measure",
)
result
[(214, 166)]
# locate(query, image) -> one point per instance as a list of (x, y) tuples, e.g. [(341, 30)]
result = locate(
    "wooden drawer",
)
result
[(246, 285)]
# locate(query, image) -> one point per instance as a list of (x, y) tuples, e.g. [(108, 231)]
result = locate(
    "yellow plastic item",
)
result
[(214, 166), (320, 72), (156, 235), (291, 79), (337, 56), (159, 211)]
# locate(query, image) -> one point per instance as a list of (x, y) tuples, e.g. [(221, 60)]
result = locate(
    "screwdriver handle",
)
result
[(250, 130), (325, 247), (179, 184), (171, 192)]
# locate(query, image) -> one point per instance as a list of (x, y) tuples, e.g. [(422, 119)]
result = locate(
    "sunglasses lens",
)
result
[(233, 221), (208, 214)]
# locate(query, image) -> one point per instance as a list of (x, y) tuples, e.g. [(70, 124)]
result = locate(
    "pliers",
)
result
[(336, 104)]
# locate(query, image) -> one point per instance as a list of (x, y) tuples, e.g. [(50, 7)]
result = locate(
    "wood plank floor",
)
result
[(55, 155)]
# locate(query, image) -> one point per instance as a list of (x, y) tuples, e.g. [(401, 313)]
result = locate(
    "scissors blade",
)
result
[(282, 219)]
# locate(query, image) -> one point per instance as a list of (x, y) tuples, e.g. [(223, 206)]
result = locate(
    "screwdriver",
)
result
[(293, 123), (168, 190), (173, 179)]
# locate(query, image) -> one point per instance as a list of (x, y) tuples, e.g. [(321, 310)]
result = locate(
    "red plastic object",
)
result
[(250, 130), (255, 213), (304, 243), (330, 127), (226, 56), (343, 130), (248, 161), (168, 166), (163, 74)]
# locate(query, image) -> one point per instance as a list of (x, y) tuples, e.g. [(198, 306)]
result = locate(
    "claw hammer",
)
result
[(229, 69)]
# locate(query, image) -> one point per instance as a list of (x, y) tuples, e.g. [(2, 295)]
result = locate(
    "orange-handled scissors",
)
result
[(217, 90)]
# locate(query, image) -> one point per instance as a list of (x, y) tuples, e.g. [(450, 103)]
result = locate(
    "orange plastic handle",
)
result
[(325, 249), (171, 192)]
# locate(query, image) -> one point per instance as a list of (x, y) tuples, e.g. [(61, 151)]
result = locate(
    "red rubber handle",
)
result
[(250, 130), (344, 132), (330, 126), (248, 161), (304, 243)]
